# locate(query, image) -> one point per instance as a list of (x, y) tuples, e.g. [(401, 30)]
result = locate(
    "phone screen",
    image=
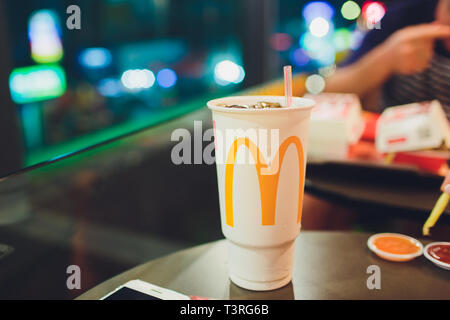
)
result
[(130, 294)]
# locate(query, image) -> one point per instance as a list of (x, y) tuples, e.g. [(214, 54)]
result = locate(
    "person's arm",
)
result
[(406, 51), (366, 74)]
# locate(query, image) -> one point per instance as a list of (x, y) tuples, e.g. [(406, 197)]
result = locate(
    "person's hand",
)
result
[(410, 50), (446, 185)]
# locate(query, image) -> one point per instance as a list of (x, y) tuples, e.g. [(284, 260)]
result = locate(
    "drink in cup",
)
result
[(261, 159)]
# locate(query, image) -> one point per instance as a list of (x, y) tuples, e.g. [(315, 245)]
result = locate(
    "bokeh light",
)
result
[(373, 11), (310, 42), (318, 9), (342, 39), (281, 41), (299, 57), (357, 39), (138, 79), (319, 27), (350, 10), (95, 58), (166, 78), (321, 50), (227, 72), (37, 83), (110, 87), (326, 55), (44, 36), (315, 84)]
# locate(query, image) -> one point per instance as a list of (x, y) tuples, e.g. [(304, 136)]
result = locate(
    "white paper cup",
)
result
[(261, 161)]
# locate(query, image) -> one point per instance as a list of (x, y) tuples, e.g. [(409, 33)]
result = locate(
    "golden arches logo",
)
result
[(268, 183)]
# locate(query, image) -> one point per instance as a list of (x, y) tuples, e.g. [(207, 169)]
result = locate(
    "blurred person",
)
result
[(406, 60)]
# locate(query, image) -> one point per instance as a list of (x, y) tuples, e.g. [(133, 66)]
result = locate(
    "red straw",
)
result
[(288, 85)]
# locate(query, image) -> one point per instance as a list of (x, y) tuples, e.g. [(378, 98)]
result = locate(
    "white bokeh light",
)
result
[(227, 72), (319, 27), (315, 84), (138, 79)]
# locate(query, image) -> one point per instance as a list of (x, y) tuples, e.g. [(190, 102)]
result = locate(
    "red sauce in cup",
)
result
[(440, 252)]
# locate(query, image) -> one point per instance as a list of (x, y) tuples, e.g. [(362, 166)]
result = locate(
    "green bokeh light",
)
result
[(37, 83), (350, 10), (342, 39)]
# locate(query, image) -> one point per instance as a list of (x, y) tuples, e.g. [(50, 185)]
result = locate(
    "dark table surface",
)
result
[(328, 265)]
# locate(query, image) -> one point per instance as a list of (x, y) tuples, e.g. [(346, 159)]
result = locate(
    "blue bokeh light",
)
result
[(318, 9), (166, 78), (95, 58), (110, 87), (299, 57)]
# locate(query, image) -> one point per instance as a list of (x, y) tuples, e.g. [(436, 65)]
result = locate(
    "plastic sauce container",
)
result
[(439, 254), (395, 247)]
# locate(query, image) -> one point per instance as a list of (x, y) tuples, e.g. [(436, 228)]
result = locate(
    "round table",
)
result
[(328, 265)]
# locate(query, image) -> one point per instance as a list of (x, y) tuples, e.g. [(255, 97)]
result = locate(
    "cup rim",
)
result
[(298, 104)]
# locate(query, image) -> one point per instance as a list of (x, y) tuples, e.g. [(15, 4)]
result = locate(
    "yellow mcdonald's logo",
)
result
[(268, 183)]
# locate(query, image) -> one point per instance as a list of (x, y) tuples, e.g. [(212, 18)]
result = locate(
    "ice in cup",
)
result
[(261, 161)]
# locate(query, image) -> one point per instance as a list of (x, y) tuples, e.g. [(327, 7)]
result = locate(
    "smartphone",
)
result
[(141, 290)]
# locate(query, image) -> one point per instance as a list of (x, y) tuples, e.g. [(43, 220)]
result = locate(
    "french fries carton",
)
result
[(411, 127), (336, 123)]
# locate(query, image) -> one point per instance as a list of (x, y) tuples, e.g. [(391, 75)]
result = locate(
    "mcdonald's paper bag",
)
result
[(336, 123), (411, 127)]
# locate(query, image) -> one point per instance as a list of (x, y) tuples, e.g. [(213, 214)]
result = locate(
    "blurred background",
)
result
[(136, 63)]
